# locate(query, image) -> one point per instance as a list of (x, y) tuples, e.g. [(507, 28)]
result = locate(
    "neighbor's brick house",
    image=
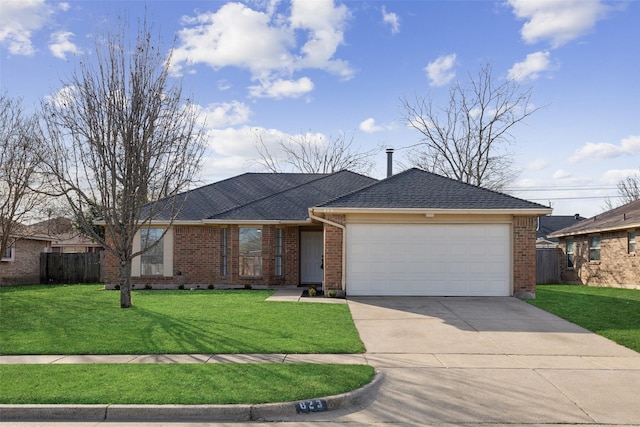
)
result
[(20, 264), (414, 233), (601, 251)]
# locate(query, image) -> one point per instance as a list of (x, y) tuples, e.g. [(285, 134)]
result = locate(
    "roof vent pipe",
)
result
[(389, 162), (577, 216)]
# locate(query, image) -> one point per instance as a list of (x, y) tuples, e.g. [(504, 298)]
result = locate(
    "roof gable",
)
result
[(213, 199), (621, 218), (418, 189), (293, 204), (549, 224)]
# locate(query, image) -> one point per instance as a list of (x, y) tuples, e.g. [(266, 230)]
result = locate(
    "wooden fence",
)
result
[(71, 268), (547, 266)]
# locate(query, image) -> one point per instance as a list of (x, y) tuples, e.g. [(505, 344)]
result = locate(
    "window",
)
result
[(570, 253), (278, 252), (250, 243), (631, 236), (9, 254), (152, 261), (594, 248), (223, 238)]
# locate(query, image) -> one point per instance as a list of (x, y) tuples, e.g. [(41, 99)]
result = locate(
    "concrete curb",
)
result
[(184, 413)]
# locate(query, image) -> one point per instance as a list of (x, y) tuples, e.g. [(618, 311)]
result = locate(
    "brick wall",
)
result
[(333, 253), (616, 267), (524, 256), (25, 268), (196, 254), (197, 259)]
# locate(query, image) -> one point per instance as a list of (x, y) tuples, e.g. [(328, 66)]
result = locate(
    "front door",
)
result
[(311, 248)]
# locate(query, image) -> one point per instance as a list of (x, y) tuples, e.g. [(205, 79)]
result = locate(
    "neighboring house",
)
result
[(20, 264), (65, 237), (414, 233), (601, 251), (549, 224)]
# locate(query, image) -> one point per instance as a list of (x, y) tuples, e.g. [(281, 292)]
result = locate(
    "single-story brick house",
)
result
[(601, 251), (20, 264), (414, 233)]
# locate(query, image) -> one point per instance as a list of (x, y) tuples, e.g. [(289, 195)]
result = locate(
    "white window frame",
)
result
[(254, 268), (167, 247), (279, 252), (592, 247), (12, 254), (571, 255), (631, 242), (224, 249), (158, 249)]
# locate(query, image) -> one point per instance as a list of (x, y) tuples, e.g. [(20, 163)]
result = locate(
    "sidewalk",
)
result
[(334, 359)]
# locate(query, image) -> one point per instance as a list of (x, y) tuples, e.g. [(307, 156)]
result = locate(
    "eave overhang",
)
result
[(165, 223), (596, 229), (430, 212)]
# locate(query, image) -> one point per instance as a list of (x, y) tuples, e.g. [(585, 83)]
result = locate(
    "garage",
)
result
[(428, 259)]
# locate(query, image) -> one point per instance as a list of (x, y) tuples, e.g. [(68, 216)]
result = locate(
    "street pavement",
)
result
[(462, 361)]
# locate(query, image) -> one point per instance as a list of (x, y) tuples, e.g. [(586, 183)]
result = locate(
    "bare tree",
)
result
[(466, 139), (309, 153), (628, 191), (20, 200), (123, 143)]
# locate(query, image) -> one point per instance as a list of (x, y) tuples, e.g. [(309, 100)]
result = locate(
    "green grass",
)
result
[(85, 319), (176, 384), (610, 312)]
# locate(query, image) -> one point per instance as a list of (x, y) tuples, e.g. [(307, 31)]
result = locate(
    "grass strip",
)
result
[(86, 319), (611, 312), (177, 384)]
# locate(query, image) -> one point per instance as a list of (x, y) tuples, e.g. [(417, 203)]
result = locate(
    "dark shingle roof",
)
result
[(293, 203), (418, 189), (549, 224), (209, 200), (264, 196), (621, 218)]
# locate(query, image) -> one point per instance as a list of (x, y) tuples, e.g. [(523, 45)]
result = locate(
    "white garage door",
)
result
[(429, 260)]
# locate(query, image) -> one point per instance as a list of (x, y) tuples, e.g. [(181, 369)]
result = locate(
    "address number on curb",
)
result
[(307, 406)]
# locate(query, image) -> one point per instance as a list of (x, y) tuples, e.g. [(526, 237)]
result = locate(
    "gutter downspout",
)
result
[(344, 244)]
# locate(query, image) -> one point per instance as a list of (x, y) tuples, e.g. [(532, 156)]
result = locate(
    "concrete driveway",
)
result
[(490, 360)]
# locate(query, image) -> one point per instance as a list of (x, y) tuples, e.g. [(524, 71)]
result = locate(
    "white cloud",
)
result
[(392, 19), (531, 67), (60, 44), (279, 89), (236, 36), (558, 21), (561, 174), (19, 20), (604, 150), (369, 126), (537, 164), (440, 71), (273, 47), (324, 23), (614, 176), (63, 97), (224, 114), (232, 151)]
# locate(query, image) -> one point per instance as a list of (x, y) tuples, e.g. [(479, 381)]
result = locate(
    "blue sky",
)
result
[(284, 68)]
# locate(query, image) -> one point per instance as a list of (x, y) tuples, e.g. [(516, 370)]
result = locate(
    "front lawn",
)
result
[(610, 312), (85, 319), (188, 384)]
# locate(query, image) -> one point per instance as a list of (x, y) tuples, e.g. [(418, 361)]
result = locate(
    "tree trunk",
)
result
[(124, 280)]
